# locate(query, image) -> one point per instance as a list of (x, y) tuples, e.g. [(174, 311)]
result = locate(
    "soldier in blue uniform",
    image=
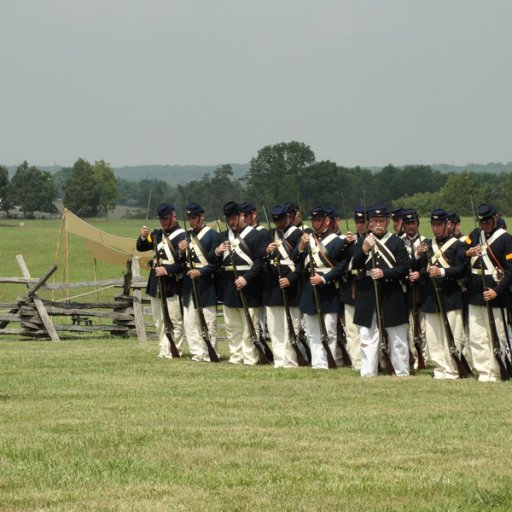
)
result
[(455, 223), (282, 273), (412, 239), (348, 289), (201, 241), (169, 270), (251, 219), (391, 268), (442, 261), (325, 251), (246, 246), (489, 249), (397, 218), (294, 213)]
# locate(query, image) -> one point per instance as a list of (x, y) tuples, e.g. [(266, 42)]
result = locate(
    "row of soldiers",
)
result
[(368, 297)]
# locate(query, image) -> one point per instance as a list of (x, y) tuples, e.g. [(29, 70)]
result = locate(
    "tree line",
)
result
[(279, 172)]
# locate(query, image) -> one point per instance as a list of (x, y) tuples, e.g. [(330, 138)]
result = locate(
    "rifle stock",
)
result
[(383, 333), (462, 365), (266, 356), (302, 359), (418, 341), (341, 340), (324, 338), (196, 297)]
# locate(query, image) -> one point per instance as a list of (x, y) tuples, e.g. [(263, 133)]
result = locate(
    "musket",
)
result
[(509, 346), (345, 211), (266, 356), (324, 338), (302, 359), (168, 327), (491, 321), (383, 333), (462, 365), (416, 327), (196, 297), (341, 340)]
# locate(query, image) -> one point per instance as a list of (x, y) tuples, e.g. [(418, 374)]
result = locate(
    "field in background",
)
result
[(37, 241)]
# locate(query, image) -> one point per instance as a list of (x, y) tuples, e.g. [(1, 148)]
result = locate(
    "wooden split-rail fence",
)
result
[(36, 317)]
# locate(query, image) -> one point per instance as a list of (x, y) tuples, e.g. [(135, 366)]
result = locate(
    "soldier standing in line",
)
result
[(251, 219), (281, 273), (412, 239), (169, 271), (390, 266), (201, 241), (348, 289), (441, 262), (489, 249), (294, 213), (457, 233), (322, 253), (396, 217), (242, 250)]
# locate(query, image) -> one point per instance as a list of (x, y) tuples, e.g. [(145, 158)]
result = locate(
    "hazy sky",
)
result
[(363, 82)]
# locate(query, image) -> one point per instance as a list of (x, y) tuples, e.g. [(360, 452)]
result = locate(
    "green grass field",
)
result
[(102, 424)]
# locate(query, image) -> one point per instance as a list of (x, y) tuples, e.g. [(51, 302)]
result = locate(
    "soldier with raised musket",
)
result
[(322, 253), (165, 271), (199, 296), (282, 277), (441, 264), (380, 297), (241, 256), (489, 249)]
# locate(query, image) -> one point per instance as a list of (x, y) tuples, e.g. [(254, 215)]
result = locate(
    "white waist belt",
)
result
[(238, 267)]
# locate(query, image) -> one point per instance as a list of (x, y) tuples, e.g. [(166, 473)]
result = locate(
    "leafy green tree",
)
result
[(503, 199), (211, 192), (5, 200), (273, 173), (107, 186), (81, 190), (154, 192), (32, 189), (128, 192), (356, 184), (59, 178), (422, 202), (223, 187), (319, 185), (458, 190), (394, 182)]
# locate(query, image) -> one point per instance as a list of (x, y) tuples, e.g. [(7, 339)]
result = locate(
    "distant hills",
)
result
[(173, 174), (180, 174)]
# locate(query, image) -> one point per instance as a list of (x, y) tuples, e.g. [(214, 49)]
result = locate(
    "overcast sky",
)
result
[(362, 82)]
